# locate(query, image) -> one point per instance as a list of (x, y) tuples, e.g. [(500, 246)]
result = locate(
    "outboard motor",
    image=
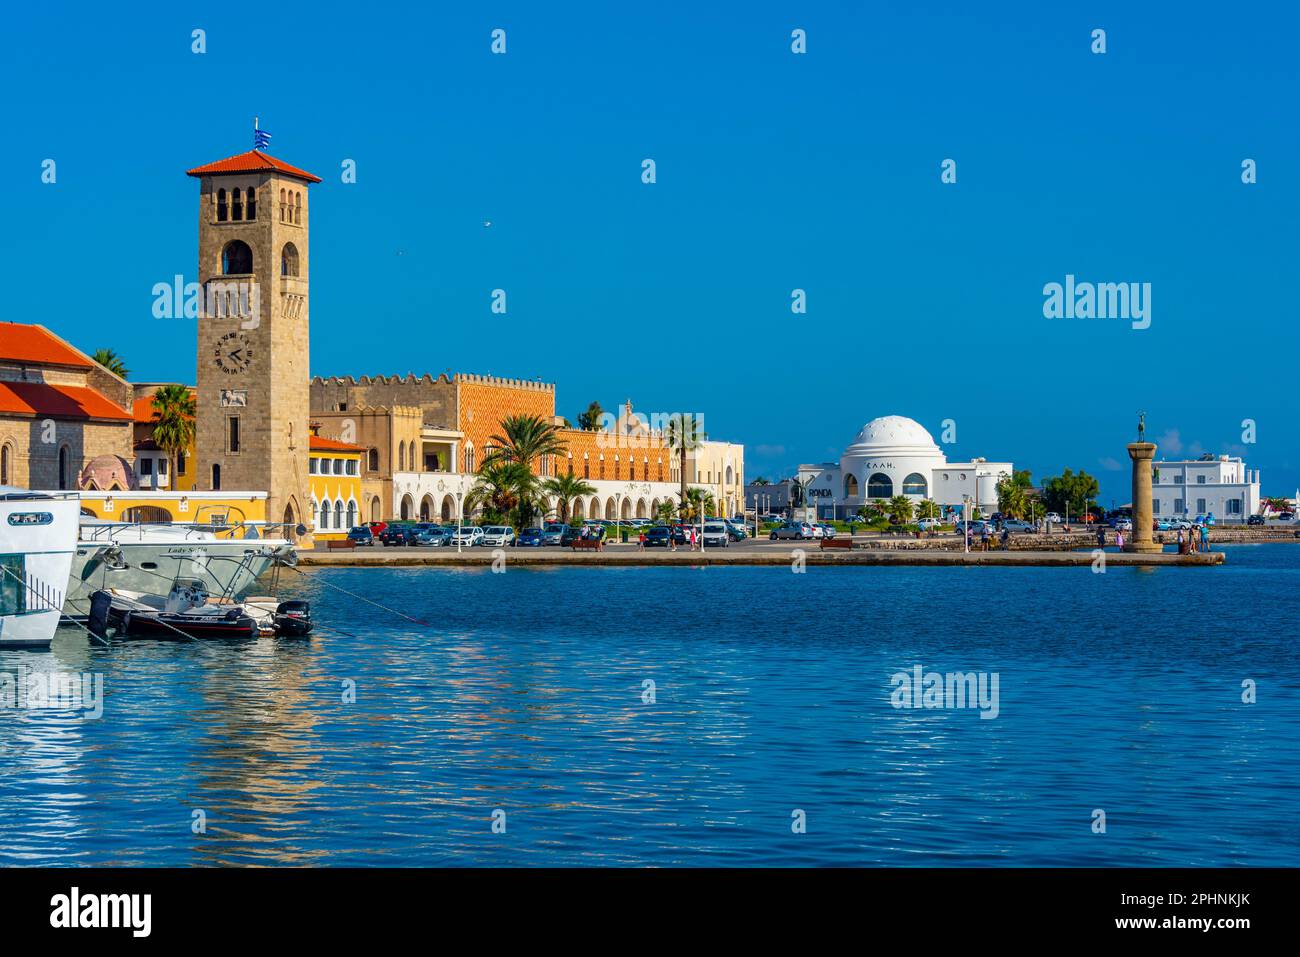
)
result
[(293, 618)]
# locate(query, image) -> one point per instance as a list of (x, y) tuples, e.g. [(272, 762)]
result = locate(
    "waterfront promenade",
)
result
[(756, 553)]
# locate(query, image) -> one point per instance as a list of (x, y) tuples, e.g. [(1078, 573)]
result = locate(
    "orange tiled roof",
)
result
[(333, 445), (58, 401), (251, 162), (36, 344), (142, 410)]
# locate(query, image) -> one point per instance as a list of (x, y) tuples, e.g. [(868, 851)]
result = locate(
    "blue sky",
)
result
[(775, 172)]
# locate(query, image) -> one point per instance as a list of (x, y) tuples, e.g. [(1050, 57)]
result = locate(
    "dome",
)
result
[(894, 433), (107, 473)]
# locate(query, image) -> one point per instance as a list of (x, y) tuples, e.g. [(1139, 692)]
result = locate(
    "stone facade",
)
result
[(253, 340)]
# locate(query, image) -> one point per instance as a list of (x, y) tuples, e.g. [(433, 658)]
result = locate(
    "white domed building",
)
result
[(895, 455)]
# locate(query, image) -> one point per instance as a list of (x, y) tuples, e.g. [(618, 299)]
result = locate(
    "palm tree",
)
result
[(174, 410), (927, 508), (665, 511), (526, 438), (589, 421), (566, 488), (111, 361), (684, 433), (900, 509), (497, 488), (698, 504)]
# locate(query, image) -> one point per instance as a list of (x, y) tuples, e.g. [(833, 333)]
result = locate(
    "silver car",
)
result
[(787, 530)]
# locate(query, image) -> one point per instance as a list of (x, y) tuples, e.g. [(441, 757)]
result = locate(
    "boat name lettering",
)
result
[(31, 518)]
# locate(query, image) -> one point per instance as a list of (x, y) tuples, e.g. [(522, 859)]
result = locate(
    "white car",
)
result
[(715, 535), (467, 535), (926, 524), (1052, 518), (497, 536)]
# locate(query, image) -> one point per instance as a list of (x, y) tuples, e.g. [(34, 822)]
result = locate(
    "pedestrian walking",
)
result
[(640, 541)]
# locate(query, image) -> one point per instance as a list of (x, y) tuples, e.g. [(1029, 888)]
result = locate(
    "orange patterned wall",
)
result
[(616, 457), (483, 402)]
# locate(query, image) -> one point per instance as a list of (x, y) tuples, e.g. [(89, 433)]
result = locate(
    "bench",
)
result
[(340, 543), (837, 543), (589, 544)]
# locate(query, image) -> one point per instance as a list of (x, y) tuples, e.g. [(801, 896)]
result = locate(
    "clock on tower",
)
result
[(252, 428)]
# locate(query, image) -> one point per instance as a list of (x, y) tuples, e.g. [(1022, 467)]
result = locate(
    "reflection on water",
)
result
[(379, 742)]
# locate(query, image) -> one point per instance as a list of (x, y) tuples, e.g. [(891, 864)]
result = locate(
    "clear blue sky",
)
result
[(775, 171)]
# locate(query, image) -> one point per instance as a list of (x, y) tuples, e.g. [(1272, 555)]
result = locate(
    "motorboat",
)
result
[(149, 557), (190, 612), (38, 542)]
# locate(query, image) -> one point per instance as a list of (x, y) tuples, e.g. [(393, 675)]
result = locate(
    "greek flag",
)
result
[(261, 139)]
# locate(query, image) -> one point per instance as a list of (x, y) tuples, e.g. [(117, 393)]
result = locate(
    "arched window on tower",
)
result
[(289, 260), (252, 202), (915, 484), (281, 205), (880, 485), (236, 258), (236, 205), (5, 457), (401, 456), (372, 462), (221, 205), (297, 210)]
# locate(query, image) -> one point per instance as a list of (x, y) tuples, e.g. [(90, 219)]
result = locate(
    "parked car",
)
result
[(1123, 525), (1255, 520), (395, 534), (530, 537), (1015, 525), (828, 530), (361, 535), (568, 534), (658, 536), (497, 536), (467, 535), (440, 535), (1161, 525), (926, 524), (737, 531), (714, 534), (424, 533), (977, 527), (1052, 518), (788, 530), (376, 528), (553, 533)]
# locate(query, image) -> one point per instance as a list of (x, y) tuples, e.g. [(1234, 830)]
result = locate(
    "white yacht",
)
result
[(38, 540), (149, 558)]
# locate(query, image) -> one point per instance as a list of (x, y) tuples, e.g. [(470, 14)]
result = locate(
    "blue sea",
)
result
[(685, 717)]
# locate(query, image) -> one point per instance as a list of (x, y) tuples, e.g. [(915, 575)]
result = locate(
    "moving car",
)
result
[(497, 536), (715, 534)]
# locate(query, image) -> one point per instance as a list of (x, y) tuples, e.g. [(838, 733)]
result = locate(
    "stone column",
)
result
[(1142, 453)]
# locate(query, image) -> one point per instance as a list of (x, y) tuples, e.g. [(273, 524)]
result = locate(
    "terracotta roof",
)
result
[(36, 344), (251, 162), (333, 445), (58, 401), (142, 409)]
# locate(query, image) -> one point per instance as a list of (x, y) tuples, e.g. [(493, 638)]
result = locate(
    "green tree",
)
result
[(496, 489), (174, 410), (900, 509), (760, 481), (684, 433), (111, 361), (666, 511), (1070, 492), (927, 508), (699, 503), (566, 488), (589, 421)]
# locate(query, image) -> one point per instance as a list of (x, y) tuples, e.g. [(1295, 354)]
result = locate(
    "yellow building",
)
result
[(218, 509), (334, 470)]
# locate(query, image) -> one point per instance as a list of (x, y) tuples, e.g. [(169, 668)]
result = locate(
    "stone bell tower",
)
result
[(253, 388)]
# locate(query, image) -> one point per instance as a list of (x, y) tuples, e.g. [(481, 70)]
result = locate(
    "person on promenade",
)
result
[(640, 541), (1191, 540), (1101, 538), (693, 538), (1205, 538), (984, 538), (1006, 539), (1119, 541)]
